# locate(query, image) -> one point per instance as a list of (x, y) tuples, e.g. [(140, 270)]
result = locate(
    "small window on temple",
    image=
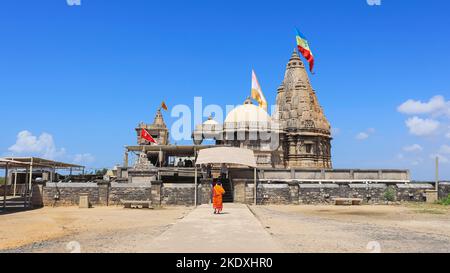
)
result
[(308, 148)]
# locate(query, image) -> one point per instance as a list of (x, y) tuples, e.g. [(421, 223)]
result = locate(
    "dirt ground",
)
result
[(298, 229), (103, 229), (388, 229)]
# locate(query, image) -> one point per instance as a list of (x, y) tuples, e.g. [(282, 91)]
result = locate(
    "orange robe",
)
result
[(218, 191)]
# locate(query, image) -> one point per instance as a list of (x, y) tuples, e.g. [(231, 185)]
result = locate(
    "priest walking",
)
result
[(218, 191)]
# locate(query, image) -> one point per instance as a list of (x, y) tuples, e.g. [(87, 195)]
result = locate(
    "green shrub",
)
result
[(389, 194), (2, 181), (446, 201)]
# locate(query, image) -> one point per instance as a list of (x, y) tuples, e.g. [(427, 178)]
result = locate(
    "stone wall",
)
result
[(132, 191), (105, 193), (274, 192), (444, 190), (68, 194), (270, 174), (177, 194), (414, 192), (293, 192)]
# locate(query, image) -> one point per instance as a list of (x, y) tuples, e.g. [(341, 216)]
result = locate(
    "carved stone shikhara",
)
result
[(306, 130)]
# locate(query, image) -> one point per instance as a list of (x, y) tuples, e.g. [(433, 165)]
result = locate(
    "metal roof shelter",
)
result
[(227, 155), (44, 163), (29, 163), (6, 164), (171, 150)]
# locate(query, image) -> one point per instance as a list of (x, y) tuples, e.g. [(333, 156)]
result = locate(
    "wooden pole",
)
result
[(15, 183), (4, 186), (25, 187), (437, 173), (31, 175), (195, 195), (256, 188)]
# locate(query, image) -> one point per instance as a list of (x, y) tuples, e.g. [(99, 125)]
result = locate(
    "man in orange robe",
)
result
[(218, 191)]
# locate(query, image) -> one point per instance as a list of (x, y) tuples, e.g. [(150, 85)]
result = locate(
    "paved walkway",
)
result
[(237, 230)]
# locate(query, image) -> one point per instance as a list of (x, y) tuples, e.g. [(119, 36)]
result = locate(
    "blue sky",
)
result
[(80, 78)]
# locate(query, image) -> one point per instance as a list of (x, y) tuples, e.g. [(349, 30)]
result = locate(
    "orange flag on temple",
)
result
[(145, 135), (164, 106)]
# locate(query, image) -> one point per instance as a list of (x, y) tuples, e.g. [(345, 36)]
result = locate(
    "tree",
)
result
[(101, 172)]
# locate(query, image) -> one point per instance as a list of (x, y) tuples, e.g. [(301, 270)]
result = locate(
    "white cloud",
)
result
[(447, 135), (365, 135), (422, 127), (44, 146), (362, 136), (30, 145), (83, 158), (436, 106), (445, 149), (413, 148)]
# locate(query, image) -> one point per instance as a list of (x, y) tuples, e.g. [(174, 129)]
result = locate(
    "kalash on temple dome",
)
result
[(298, 135)]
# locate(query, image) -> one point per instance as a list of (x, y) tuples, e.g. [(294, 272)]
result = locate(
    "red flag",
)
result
[(303, 47), (164, 106), (145, 135)]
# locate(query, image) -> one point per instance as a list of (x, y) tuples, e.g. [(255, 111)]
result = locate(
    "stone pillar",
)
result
[(431, 196), (294, 193), (103, 192), (125, 159), (205, 191), (239, 191), (156, 192), (292, 173), (37, 199)]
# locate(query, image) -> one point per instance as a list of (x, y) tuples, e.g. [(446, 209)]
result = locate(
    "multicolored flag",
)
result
[(257, 93), (145, 135), (303, 47), (164, 106)]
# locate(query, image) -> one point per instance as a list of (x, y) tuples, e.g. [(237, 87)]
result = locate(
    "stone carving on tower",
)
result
[(307, 132), (158, 130), (142, 163)]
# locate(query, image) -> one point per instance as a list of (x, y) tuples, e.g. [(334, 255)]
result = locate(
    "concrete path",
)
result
[(236, 230)]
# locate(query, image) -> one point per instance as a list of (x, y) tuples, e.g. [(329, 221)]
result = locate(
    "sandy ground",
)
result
[(103, 229), (387, 229), (406, 228)]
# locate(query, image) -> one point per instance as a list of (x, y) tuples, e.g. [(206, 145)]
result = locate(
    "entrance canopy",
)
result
[(227, 155)]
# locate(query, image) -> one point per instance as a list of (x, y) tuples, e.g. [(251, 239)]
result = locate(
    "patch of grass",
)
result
[(427, 208), (430, 211), (445, 202), (389, 194)]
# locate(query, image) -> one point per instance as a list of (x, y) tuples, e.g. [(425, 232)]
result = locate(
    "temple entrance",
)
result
[(227, 156), (229, 193)]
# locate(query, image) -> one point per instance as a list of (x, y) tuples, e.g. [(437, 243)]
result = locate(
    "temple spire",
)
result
[(159, 120), (295, 61)]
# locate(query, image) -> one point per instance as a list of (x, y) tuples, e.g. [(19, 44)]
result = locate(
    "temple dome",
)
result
[(211, 122), (248, 113)]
